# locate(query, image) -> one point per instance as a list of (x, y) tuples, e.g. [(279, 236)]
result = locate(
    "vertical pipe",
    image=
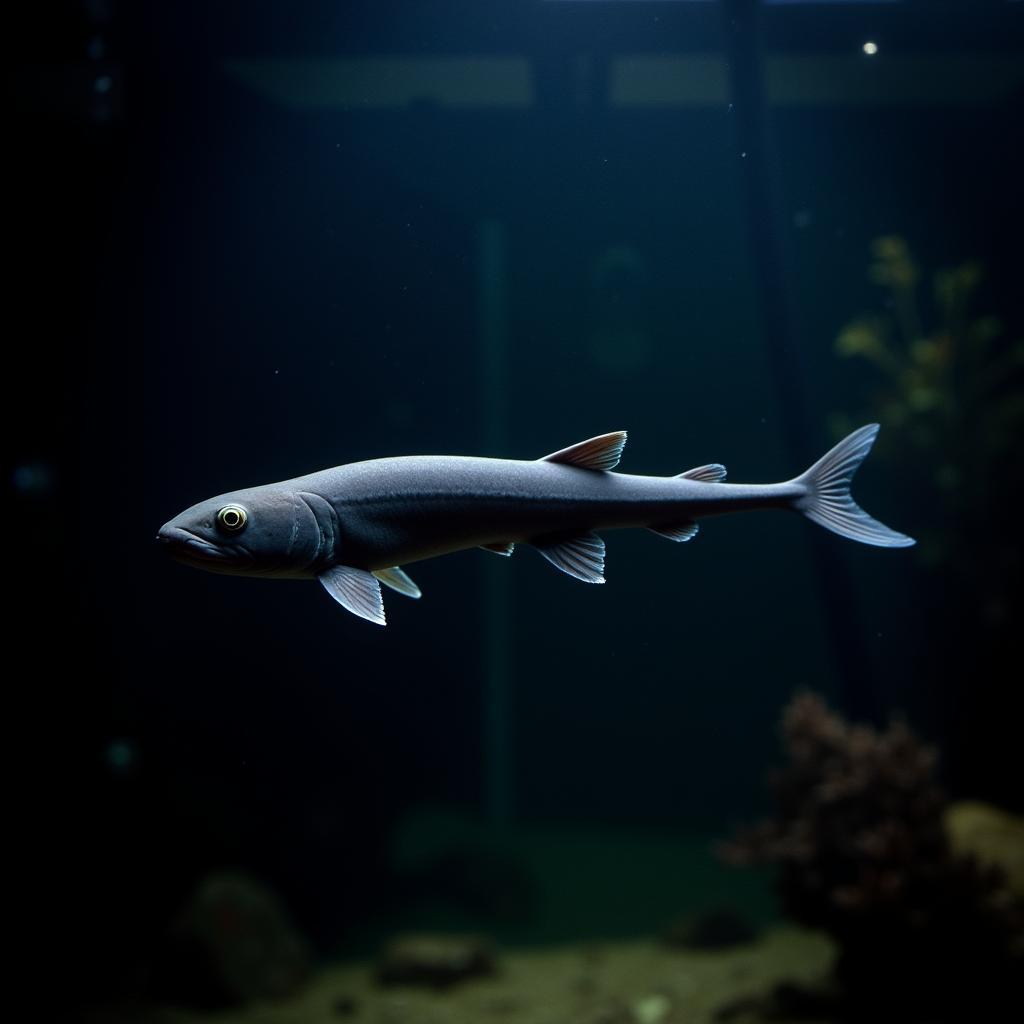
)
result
[(758, 175), (497, 781)]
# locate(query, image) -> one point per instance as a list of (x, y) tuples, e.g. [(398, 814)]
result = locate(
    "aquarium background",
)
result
[(251, 241)]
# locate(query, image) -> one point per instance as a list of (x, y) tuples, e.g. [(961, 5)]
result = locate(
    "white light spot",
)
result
[(870, 48)]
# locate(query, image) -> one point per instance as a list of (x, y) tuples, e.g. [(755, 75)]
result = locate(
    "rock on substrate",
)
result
[(435, 961), (720, 928), (993, 836)]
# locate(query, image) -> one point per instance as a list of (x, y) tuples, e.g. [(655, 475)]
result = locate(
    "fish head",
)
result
[(262, 531)]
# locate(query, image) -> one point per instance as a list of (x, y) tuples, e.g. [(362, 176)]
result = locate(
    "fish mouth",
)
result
[(186, 546)]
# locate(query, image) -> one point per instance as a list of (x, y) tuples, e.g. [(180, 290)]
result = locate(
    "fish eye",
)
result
[(232, 518)]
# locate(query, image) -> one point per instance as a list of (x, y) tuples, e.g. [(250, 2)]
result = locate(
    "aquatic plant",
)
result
[(948, 380), (861, 851)]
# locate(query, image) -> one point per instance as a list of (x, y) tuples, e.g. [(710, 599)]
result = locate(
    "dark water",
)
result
[(255, 241)]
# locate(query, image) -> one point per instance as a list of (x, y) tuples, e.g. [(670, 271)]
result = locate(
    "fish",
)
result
[(354, 526)]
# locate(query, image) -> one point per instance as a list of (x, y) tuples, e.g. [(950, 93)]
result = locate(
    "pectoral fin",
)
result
[(356, 590), (398, 580), (581, 555)]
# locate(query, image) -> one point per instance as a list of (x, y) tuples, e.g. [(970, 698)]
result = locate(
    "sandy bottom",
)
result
[(634, 982)]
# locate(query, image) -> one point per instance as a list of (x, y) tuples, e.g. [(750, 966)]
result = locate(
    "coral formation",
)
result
[(234, 943), (862, 853)]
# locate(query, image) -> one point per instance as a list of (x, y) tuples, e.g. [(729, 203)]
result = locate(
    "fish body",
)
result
[(402, 510), (353, 526)]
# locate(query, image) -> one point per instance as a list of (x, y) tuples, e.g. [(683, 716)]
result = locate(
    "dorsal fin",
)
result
[(711, 474), (598, 453)]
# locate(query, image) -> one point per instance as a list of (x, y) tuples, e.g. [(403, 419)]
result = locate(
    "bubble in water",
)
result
[(121, 756), (33, 478)]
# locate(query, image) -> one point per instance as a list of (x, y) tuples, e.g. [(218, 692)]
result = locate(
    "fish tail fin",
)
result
[(827, 501)]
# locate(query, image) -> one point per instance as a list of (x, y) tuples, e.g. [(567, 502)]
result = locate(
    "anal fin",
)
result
[(500, 547), (580, 555), (678, 532)]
